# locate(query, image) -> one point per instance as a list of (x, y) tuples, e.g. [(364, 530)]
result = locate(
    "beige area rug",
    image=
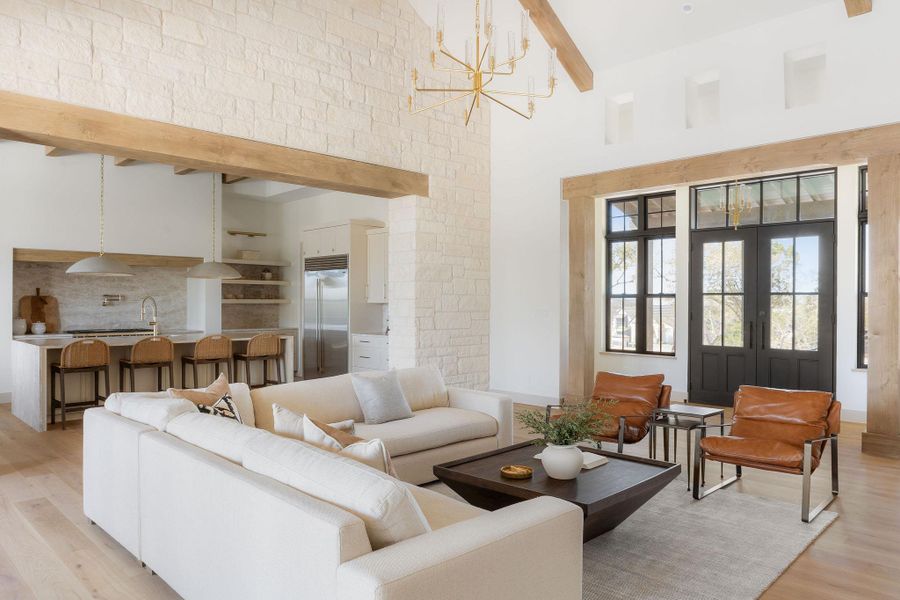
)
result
[(729, 546)]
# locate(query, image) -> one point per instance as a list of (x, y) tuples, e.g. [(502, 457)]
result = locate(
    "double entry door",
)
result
[(762, 310)]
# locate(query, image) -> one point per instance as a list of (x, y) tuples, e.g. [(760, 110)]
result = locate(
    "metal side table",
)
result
[(685, 417)]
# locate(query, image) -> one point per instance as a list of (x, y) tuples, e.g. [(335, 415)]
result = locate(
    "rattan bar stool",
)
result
[(211, 350), (149, 353), (82, 356), (264, 347)]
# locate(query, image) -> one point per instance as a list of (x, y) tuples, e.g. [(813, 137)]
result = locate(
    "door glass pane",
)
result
[(712, 267), (712, 320), (623, 267), (750, 211), (817, 197), (734, 321), (782, 256), (807, 322), (661, 325), (806, 257), (779, 200), (781, 328), (709, 207), (734, 267)]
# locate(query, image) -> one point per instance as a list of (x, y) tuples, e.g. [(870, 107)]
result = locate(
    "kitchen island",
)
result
[(33, 355)]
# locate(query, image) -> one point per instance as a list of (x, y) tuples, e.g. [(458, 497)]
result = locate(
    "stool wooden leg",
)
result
[(131, 376), (196, 377), (62, 398), (265, 372), (159, 379), (183, 374), (247, 371), (228, 369), (106, 377), (121, 377), (52, 397), (96, 386), (171, 374), (278, 370)]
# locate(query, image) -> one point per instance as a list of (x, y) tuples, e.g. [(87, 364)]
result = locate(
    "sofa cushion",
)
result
[(225, 437), (239, 392), (423, 387), (380, 397), (290, 424), (384, 504), (441, 510), (149, 410), (430, 428), (754, 451), (330, 399)]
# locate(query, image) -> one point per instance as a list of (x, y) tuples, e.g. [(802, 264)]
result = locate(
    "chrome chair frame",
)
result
[(806, 515)]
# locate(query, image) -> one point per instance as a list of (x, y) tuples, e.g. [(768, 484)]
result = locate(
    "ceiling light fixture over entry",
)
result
[(102, 264)]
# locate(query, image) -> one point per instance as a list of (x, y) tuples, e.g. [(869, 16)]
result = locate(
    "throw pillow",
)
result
[(208, 396), (223, 407), (290, 424), (371, 452), (380, 397)]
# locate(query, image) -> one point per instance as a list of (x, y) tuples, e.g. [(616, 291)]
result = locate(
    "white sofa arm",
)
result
[(495, 556), (496, 405)]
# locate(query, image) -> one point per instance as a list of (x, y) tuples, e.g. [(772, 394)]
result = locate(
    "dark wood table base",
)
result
[(607, 495)]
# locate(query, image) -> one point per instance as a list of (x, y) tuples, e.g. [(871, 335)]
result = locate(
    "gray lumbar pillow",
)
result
[(380, 397)]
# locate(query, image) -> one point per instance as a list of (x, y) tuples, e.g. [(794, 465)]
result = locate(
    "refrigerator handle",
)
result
[(320, 338)]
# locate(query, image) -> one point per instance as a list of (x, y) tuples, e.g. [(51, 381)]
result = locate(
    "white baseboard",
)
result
[(5, 397), (853, 416), (531, 399)]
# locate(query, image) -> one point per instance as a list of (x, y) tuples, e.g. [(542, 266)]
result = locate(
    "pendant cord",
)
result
[(102, 184)]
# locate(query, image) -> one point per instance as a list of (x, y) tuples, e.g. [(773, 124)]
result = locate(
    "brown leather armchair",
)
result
[(636, 397), (775, 430)]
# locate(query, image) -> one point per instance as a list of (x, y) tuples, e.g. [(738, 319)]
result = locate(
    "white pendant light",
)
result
[(212, 269), (102, 265)]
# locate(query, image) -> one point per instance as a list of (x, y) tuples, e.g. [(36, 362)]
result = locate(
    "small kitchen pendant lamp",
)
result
[(103, 264), (212, 269)]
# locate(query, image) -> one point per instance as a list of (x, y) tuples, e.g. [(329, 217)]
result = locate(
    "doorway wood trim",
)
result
[(60, 125), (835, 149)]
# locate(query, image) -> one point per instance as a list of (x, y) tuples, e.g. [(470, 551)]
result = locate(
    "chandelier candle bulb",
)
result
[(511, 47), (526, 18), (439, 24), (488, 18)]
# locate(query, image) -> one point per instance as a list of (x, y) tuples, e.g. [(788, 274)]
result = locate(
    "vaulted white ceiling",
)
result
[(613, 32)]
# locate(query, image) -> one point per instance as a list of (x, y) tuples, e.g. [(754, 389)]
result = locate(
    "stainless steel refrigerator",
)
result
[(326, 316)]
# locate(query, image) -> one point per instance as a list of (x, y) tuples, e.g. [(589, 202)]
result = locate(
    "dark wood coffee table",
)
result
[(607, 494)]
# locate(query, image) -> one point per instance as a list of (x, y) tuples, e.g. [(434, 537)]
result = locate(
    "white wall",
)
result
[(566, 138), (52, 203)]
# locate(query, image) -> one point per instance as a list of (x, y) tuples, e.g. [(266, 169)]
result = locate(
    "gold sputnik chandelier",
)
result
[(481, 67), (739, 204)]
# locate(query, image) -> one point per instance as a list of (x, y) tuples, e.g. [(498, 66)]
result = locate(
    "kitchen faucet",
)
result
[(154, 321)]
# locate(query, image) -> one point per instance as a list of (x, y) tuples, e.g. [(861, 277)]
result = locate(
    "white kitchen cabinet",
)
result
[(326, 241), (377, 268), (369, 352)]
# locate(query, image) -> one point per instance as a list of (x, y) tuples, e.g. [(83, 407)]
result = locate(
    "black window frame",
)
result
[(862, 293), (643, 235)]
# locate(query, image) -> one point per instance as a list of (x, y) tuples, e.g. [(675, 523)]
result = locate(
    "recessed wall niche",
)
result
[(804, 76), (620, 118), (701, 100)]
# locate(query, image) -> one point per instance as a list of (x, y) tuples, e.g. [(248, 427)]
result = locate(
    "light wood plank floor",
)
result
[(49, 550)]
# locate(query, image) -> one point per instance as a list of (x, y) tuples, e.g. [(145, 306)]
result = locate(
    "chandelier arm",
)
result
[(441, 103), (445, 90), (471, 109), (513, 60), (450, 70), (446, 53), (507, 106)]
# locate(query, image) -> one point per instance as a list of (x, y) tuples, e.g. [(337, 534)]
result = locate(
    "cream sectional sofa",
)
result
[(174, 487), (447, 423)]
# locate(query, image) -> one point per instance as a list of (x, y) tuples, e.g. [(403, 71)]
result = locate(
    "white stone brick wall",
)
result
[(322, 75)]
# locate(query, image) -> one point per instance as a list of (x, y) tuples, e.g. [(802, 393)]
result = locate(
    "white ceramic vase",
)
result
[(38, 328), (562, 462)]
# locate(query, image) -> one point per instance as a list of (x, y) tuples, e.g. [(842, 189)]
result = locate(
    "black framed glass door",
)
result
[(762, 309)]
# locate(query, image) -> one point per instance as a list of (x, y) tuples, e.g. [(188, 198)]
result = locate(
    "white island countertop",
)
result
[(32, 355)]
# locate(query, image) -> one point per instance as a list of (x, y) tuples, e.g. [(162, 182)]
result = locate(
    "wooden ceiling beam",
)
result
[(54, 151), (183, 170), (857, 7), (556, 35), (227, 178), (79, 129)]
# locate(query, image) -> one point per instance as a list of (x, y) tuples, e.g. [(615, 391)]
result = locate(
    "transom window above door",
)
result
[(640, 274), (782, 199)]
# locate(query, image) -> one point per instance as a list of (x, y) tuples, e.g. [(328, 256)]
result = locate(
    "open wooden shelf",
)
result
[(257, 263), (254, 282), (256, 301)]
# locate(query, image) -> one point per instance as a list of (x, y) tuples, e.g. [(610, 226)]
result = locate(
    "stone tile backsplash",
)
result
[(81, 296)]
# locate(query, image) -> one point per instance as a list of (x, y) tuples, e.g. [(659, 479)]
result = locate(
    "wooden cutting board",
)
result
[(40, 308)]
